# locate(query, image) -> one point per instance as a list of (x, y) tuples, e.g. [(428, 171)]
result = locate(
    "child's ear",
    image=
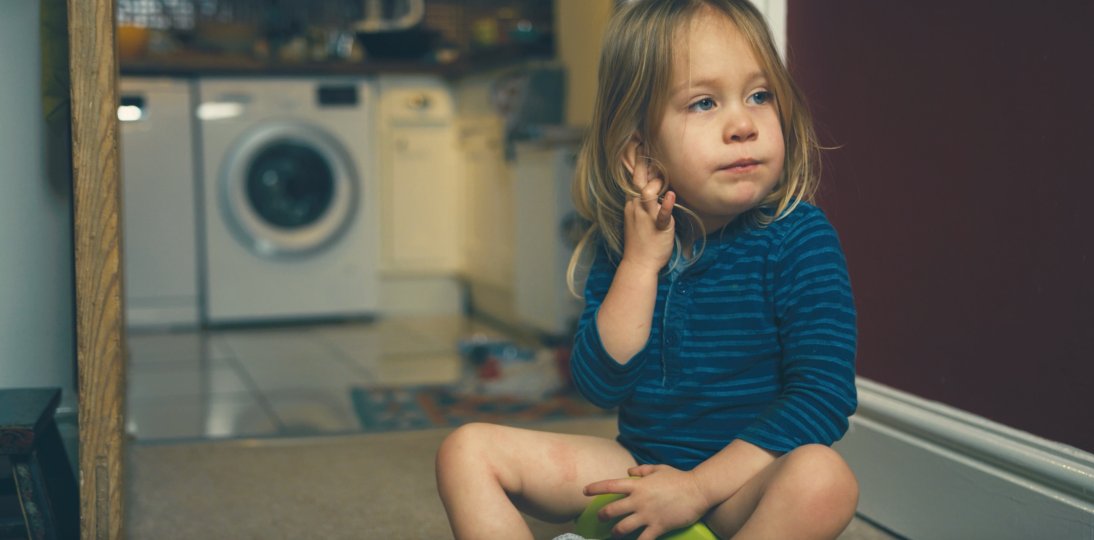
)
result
[(631, 153)]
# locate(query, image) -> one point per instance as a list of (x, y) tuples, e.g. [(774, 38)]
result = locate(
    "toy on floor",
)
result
[(589, 526), (498, 367)]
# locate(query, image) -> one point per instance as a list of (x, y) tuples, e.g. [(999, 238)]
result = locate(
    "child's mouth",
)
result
[(741, 166)]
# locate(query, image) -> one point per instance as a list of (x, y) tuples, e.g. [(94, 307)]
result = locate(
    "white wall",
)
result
[(775, 12), (36, 276)]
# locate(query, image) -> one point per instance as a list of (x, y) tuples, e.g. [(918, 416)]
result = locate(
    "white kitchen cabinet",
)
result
[(422, 210), (489, 239)]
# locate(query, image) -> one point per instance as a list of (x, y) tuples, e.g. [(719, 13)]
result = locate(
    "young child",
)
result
[(718, 316)]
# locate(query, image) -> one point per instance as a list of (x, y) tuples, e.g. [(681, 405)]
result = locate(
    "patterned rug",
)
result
[(422, 407)]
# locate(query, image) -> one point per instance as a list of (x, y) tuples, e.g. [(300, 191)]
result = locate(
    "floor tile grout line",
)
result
[(344, 358), (252, 386), (205, 366), (268, 396)]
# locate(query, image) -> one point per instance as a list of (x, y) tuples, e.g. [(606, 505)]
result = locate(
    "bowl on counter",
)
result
[(411, 44)]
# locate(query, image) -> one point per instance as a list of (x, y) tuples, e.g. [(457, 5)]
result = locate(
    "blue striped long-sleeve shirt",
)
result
[(754, 341)]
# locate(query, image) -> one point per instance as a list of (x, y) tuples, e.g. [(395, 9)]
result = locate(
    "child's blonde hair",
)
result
[(634, 78)]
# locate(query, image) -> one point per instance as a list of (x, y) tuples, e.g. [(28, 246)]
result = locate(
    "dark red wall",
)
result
[(961, 189)]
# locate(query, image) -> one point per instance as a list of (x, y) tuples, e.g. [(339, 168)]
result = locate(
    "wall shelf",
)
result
[(186, 64)]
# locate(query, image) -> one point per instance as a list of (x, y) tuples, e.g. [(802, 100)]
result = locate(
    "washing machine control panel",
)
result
[(337, 95)]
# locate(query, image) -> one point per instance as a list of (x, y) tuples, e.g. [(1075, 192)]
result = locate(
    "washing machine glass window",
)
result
[(290, 185), (288, 189)]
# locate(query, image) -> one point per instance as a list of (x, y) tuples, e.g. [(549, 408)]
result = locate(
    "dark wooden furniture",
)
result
[(44, 484)]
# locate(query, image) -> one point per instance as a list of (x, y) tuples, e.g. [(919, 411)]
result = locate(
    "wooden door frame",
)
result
[(99, 318)]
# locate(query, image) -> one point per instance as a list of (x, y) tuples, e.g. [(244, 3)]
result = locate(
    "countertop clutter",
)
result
[(329, 37)]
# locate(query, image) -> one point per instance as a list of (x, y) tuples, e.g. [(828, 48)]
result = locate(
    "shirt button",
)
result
[(683, 288)]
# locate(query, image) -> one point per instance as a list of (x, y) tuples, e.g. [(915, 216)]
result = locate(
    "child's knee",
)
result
[(823, 481), (466, 442)]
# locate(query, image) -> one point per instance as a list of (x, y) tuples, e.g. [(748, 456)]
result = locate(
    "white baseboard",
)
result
[(930, 471), (421, 295)]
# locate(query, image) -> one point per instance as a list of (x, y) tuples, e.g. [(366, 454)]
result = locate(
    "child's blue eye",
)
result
[(704, 104), (761, 97)]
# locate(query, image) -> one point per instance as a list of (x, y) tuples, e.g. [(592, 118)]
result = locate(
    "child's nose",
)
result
[(739, 128)]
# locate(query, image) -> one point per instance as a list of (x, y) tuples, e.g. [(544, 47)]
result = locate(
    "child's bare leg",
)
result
[(809, 492), (487, 474)]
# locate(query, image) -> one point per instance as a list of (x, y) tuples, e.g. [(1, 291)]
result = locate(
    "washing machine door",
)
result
[(288, 189)]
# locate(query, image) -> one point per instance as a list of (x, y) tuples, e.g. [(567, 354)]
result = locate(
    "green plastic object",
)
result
[(590, 527)]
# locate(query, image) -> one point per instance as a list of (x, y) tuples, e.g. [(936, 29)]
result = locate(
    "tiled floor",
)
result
[(284, 380)]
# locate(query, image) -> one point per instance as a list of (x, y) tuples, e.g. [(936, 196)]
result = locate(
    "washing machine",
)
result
[(290, 199)]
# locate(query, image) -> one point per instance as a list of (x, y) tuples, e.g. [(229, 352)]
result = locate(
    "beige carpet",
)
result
[(357, 486)]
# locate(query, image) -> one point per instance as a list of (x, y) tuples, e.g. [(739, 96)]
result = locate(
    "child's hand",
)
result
[(662, 499), (648, 226)]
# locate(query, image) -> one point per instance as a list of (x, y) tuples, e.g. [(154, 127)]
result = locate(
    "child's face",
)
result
[(720, 140)]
